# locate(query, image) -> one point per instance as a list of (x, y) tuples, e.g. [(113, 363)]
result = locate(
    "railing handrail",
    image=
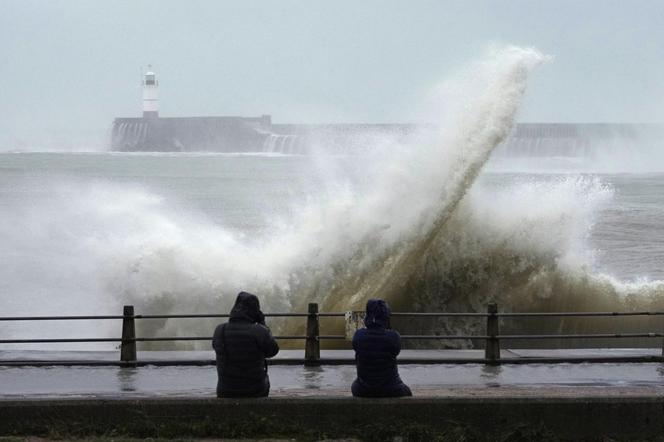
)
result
[(587, 314), (58, 318), (333, 314), (312, 338)]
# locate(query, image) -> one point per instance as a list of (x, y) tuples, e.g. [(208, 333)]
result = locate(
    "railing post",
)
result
[(492, 347), (128, 346), (312, 346)]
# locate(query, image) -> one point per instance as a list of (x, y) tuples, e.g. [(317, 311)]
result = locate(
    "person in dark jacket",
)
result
[(376, 349), (241, 346)]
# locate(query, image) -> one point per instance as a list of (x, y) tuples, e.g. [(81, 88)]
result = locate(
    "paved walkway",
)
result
[(8, 357), (328, 381)]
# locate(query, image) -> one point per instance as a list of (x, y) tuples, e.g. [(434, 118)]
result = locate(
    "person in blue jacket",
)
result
[(376, 349)]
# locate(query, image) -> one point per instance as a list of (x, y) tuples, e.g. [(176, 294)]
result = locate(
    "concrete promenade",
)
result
[(479, 412), (622, 401), (332, 357)]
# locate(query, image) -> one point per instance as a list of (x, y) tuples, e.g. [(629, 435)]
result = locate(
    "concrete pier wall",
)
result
[(578, 140), (429, 418), (195, 134), (240, 134)]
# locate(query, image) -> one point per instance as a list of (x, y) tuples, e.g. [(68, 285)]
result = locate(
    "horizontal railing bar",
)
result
[(293, 315), (336, 361), (211, 315), (48, 341), (330, 314), (417, 337), (414, 314), (56, 318), (171, 338), (441, 315), (584, 336), (156, 339), (174, 316), (199, 338), (562, 314), (444, 337), (182, 316)]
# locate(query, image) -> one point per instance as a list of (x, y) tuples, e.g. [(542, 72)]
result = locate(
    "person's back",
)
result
[(376, 349), (241, 346)]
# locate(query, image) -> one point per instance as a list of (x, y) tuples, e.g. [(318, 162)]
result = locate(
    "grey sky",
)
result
[(67, 68)]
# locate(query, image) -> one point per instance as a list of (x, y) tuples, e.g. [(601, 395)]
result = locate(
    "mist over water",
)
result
[(604, 156), (412, 221)]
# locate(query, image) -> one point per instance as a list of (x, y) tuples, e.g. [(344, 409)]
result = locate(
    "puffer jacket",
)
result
[(376, 349), (241, 346)]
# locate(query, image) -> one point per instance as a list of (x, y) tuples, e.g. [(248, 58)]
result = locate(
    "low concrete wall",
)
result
[(313, 418)]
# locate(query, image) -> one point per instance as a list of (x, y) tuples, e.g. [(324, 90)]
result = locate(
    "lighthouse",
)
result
[(150, 94)]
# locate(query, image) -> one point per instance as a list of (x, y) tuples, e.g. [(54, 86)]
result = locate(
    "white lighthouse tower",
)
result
[(150, 94)]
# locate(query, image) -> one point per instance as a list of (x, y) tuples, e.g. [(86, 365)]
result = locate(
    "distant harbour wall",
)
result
[(190, 134), (578, 140), (242, 134), (259, 134)]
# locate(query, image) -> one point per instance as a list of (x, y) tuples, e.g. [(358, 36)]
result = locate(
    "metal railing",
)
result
[(492, 338)]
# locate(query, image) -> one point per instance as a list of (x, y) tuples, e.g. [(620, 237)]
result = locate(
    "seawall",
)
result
[(476, 414)]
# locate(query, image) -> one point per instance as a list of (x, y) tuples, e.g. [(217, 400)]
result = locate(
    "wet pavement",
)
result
[(449, 380)]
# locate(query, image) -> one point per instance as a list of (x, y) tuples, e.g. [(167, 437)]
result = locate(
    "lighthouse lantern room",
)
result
[(150, 94)]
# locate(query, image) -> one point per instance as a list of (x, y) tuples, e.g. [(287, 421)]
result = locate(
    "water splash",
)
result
[(387, 233)]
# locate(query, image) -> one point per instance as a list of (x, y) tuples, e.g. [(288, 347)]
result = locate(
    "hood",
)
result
[(246, 307), (378, 314)]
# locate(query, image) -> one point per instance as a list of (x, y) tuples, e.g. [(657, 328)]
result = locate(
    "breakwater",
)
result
[(259, 134), (192, 134), (577, 140), (243, 134)]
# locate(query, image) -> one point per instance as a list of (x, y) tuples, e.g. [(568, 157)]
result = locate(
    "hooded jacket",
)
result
[(241, 346), (376, 349)]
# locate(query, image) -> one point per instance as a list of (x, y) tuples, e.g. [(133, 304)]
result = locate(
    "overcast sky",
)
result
[(67, 68)]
